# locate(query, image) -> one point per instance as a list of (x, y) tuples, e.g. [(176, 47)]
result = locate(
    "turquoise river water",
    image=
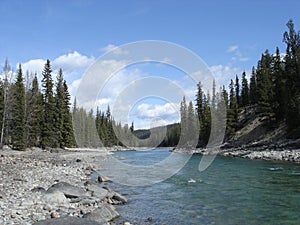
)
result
[(230, 191)]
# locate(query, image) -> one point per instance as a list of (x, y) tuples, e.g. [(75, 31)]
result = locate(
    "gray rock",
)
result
[(69, 220), (55, 198), (97, 191), (103, 179), (120, 198), (103, 214), (38, 189), (69, 190)]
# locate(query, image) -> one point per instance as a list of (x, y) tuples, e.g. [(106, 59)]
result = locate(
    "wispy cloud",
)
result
[(237, 55), (114, 50), (232, 48)]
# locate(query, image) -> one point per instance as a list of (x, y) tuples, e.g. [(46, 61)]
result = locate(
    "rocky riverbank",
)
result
[(287, 150), (53, 187)]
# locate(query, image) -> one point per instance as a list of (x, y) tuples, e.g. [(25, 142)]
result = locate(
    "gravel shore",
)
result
[(53, 186)]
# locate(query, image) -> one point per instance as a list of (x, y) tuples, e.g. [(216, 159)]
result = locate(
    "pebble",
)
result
[(54, 215)]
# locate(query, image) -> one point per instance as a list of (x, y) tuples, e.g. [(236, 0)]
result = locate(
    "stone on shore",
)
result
[(120, 198), (55, 198), (68, 220), (97, 191), (70, 191), (103, 214)]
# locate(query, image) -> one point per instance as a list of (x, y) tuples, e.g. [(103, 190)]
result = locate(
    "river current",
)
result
[(229, 191)]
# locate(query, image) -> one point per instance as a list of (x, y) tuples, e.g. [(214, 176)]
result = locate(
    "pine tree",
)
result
[(245, 91), (35, 112), (18, 132), (192, 125), (206, 121), (264, 86), (49, 138), (279, 102), (232, 113), (213, 99), (237, 91), (1, 105), (292, 70), (67, 132), (59, 110), (252, 90), (225, 97), (184, 121)]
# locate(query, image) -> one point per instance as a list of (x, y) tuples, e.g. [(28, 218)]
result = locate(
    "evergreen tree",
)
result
[(184, 120), (1, 106), (292, 70), (213, 99), (35, 112), (206, 121), (59, 110), (49, 138), (245, 91), (67, 130), (192, 125), (237, 91), (225, 97), (252, 90), (264, 86), (279, 101), (232, 113), (18, 132)]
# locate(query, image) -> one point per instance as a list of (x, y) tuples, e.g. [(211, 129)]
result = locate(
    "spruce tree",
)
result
[(237, 90), (184, 120), (49, 138), (279, 102), (18, 110), (252, 89), (245, 91), (232, 113), (265, 90), (292, 70), (68, 131), (35, 112), (59, 110), (1, 105)]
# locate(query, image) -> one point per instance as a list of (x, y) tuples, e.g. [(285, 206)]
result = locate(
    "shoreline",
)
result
[(264, 152), (41, 186)]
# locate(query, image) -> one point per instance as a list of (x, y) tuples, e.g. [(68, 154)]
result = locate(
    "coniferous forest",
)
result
[(273, 90), (40, 115)]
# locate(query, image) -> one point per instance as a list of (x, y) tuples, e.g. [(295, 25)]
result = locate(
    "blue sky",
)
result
[(229, 35)]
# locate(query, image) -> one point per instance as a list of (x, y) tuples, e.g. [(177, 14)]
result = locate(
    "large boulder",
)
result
[(55, 198), (97, 191), (68, 220), (103, 214), (70, 191)]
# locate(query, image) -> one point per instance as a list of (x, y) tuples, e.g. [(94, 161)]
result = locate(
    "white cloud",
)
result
[(73, 64), (114, 50), (150, 111), (73, 61), (223, 74), (151, 115), (232, 48), (238, 56), (34, 66)]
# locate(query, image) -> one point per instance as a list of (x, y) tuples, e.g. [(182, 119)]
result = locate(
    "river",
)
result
[(230, 191)]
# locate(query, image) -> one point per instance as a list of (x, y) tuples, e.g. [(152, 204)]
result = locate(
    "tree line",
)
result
[(32, 117), (273, 90)]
